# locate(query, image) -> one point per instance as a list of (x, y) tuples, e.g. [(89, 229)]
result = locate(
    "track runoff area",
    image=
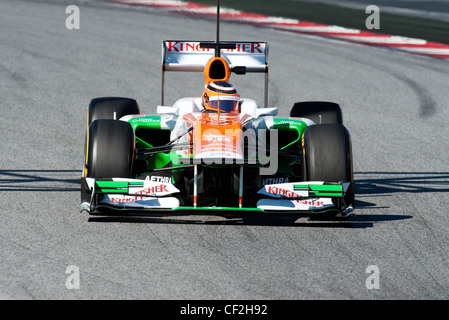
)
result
[(406, 44)]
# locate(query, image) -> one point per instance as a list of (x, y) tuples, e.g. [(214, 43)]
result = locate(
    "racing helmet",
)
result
[(220, 96)]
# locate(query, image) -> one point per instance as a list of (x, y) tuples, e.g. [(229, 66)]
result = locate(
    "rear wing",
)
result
[(192, 56)]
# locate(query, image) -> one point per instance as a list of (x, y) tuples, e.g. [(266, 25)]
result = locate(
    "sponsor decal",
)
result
[(141, 119), (145, 191), (160, 179), (149, 189), (220, 141), (274, 180), (308, 195), (281, 191), (216, 137), (120, 199), (194, 47), (298, 197), (312, 203)]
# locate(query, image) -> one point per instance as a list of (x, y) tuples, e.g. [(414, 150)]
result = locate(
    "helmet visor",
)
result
[(224, 105)]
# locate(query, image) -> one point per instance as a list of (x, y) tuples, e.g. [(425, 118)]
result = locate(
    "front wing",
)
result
[(134, 194)]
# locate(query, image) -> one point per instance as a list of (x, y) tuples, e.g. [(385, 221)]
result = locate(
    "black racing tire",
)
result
[(111, 108), (320, 112), (110, 149), (328, 156)]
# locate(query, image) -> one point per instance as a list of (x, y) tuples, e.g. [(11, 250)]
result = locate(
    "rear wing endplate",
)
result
[(192, 56)]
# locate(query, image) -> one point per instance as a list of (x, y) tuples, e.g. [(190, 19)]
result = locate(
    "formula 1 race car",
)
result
[(217, 151)]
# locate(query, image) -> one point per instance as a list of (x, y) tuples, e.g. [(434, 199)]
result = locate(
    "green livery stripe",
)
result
[(323, 194), (320, 187), (288, 124), (136, 183), (101, 190), (111, 184), (322, 190), (115, 186)]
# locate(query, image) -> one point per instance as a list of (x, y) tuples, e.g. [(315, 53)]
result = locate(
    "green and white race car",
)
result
[(238, 157)]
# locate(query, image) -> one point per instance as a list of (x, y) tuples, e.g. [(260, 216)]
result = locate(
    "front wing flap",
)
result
[(308, 196), (120, 193)]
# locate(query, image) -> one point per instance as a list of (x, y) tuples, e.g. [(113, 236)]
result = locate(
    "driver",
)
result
[(220, 96)]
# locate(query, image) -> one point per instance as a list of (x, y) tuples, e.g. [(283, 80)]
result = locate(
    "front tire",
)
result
[(111, 108), (320, 112), (328, 156), (110, 150)]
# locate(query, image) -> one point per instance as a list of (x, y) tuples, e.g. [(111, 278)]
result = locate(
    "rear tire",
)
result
[(328, 156), (110, 150), (320, 112)]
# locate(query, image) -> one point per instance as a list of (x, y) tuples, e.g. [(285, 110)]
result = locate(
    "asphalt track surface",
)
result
[(395, 106)]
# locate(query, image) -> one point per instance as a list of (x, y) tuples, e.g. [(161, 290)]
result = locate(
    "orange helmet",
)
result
[(220, 95)]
